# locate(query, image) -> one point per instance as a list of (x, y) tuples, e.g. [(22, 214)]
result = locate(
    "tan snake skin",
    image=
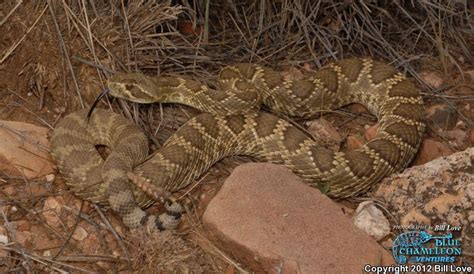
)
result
[(232, 125)]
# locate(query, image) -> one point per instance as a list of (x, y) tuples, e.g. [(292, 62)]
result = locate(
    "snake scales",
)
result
[(232, 125)]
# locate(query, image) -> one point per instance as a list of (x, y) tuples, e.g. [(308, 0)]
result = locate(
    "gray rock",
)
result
[(436, 193)]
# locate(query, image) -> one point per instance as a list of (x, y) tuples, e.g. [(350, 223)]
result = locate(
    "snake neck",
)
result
[(235, 96)]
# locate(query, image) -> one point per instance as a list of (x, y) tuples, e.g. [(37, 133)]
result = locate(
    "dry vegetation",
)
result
[(56, 54)]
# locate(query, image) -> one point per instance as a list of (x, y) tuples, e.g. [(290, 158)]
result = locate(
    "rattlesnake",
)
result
[(233, 125)]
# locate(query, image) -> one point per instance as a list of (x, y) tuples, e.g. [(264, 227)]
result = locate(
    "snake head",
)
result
[(133, 87)]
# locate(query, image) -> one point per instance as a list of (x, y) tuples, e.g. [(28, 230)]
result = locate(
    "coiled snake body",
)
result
[(233, 125)]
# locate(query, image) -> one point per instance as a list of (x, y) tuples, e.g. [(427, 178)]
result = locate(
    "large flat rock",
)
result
[(24, 150), (266, 217)]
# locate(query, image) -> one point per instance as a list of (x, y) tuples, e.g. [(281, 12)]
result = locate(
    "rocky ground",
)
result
[(261, 217)]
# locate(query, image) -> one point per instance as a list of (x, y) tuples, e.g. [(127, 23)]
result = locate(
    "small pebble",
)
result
[(371, 220), (4, 239), (50, 178)]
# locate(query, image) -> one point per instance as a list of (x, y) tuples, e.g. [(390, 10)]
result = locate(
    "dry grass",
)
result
[(89, 40)]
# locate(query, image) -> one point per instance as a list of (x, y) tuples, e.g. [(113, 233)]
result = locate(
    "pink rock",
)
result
[(471, 136), (266, 217), (79, 234), (51, 211), (4, 240), (431, 78), (10, 190), (24, 150), (37, 189), (371, 131), (24, 238), (354, 142), (430, 150), (43, 242), (22, 225)]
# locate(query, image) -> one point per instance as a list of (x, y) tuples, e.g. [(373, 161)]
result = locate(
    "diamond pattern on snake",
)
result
[(233, 124)]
